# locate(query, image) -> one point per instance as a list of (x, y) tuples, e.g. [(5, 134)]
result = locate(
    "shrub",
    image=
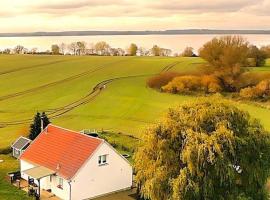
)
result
[(248, 93), (260, 91), (251, 79), (183, 84), (211, 84), (161, 79)]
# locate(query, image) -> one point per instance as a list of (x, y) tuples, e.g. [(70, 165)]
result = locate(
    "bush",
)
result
[(251, 79), (211, 84), (161, 79), (260, 91), (6, 150), (184, 84)]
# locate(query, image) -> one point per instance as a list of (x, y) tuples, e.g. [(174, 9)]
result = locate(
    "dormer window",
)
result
[(102, 160)]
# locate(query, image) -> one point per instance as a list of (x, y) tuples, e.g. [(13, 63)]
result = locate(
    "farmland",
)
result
[(63, 87)]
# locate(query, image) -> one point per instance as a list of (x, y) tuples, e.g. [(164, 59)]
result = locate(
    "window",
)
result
[(60, 183), (17, 151), (102, 160)]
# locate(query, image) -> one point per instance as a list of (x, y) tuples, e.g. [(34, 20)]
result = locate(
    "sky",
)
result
[(66, 15)]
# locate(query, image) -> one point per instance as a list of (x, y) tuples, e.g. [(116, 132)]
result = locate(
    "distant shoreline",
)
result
[(112, 33)]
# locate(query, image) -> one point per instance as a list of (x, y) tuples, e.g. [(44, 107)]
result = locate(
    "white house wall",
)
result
[(93, 180), (46, 183)]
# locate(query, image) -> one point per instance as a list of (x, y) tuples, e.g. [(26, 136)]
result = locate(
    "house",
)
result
[(74, 166), (19, 146)]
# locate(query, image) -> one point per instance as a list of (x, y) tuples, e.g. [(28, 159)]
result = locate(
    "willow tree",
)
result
[(203, 150)]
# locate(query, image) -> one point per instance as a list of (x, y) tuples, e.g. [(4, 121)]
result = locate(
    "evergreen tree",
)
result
[(35, 127)]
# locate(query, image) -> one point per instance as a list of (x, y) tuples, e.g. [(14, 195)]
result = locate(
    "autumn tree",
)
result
[(102, 48), (206, 149), (132, 50), (257, 57), (55, 49), (266, 50), (155, 50), (165, 52), (188, 52), (225, 56)]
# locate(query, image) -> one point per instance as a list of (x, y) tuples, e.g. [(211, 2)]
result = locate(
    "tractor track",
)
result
[(33, 66), (76, 76), (97, 89)]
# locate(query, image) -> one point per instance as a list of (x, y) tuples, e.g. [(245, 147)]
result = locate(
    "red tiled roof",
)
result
[(61, 150)]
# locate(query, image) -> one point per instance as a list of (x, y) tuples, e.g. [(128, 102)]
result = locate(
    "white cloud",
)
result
[(51, 15)]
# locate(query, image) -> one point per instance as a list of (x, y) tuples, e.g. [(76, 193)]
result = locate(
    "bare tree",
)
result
[(62, 47), (6, 51), (81, 46), (19, 49), (33, 50), (73, 48)]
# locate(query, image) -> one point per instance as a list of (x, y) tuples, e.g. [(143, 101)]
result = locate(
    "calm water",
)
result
[(174, 42)]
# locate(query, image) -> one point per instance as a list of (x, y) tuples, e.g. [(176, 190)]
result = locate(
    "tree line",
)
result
[(101, 48)]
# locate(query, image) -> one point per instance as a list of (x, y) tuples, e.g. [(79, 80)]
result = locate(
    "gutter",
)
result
[(69, 182)]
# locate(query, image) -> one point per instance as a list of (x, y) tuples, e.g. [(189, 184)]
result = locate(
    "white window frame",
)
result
[(60, 182), (17, 151), (103, 159)]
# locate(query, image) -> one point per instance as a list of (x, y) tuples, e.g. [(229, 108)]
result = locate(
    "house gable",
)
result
[(94, 178)]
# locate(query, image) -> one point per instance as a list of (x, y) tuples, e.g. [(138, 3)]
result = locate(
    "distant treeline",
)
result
[(100, 48)]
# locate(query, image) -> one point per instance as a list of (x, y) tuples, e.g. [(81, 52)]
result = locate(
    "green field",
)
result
[(61, 85)]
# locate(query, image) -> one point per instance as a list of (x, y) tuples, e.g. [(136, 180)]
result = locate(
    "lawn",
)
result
[(126, 105), (7, 191)]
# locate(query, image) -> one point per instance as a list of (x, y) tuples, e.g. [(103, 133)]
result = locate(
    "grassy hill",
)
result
[(63, 87)]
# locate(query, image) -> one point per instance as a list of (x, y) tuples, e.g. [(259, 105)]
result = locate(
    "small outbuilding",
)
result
[(19, 146)]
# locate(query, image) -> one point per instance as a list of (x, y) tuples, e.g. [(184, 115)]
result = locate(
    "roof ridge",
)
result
[(89, 136)]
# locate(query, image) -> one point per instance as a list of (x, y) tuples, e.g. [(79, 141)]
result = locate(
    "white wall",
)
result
[(46, 182), (93, 180), (62, 193)]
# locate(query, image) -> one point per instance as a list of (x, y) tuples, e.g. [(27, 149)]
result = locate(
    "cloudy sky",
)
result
[(59, 15)]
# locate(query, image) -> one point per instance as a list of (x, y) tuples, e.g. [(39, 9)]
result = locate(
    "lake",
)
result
[(174, 42)]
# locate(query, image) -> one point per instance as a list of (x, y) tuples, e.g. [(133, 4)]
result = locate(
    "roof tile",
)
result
[(56, 146)]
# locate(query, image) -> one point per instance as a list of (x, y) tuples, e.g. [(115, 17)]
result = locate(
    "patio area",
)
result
[(45, 195)]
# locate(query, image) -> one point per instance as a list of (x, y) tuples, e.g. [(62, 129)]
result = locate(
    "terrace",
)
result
[(44, 194)]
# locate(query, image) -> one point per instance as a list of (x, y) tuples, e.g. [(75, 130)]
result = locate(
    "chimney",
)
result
[(41, 123)]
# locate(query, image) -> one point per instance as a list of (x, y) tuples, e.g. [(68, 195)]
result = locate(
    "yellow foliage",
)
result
[(183, 84), (261, 90)]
